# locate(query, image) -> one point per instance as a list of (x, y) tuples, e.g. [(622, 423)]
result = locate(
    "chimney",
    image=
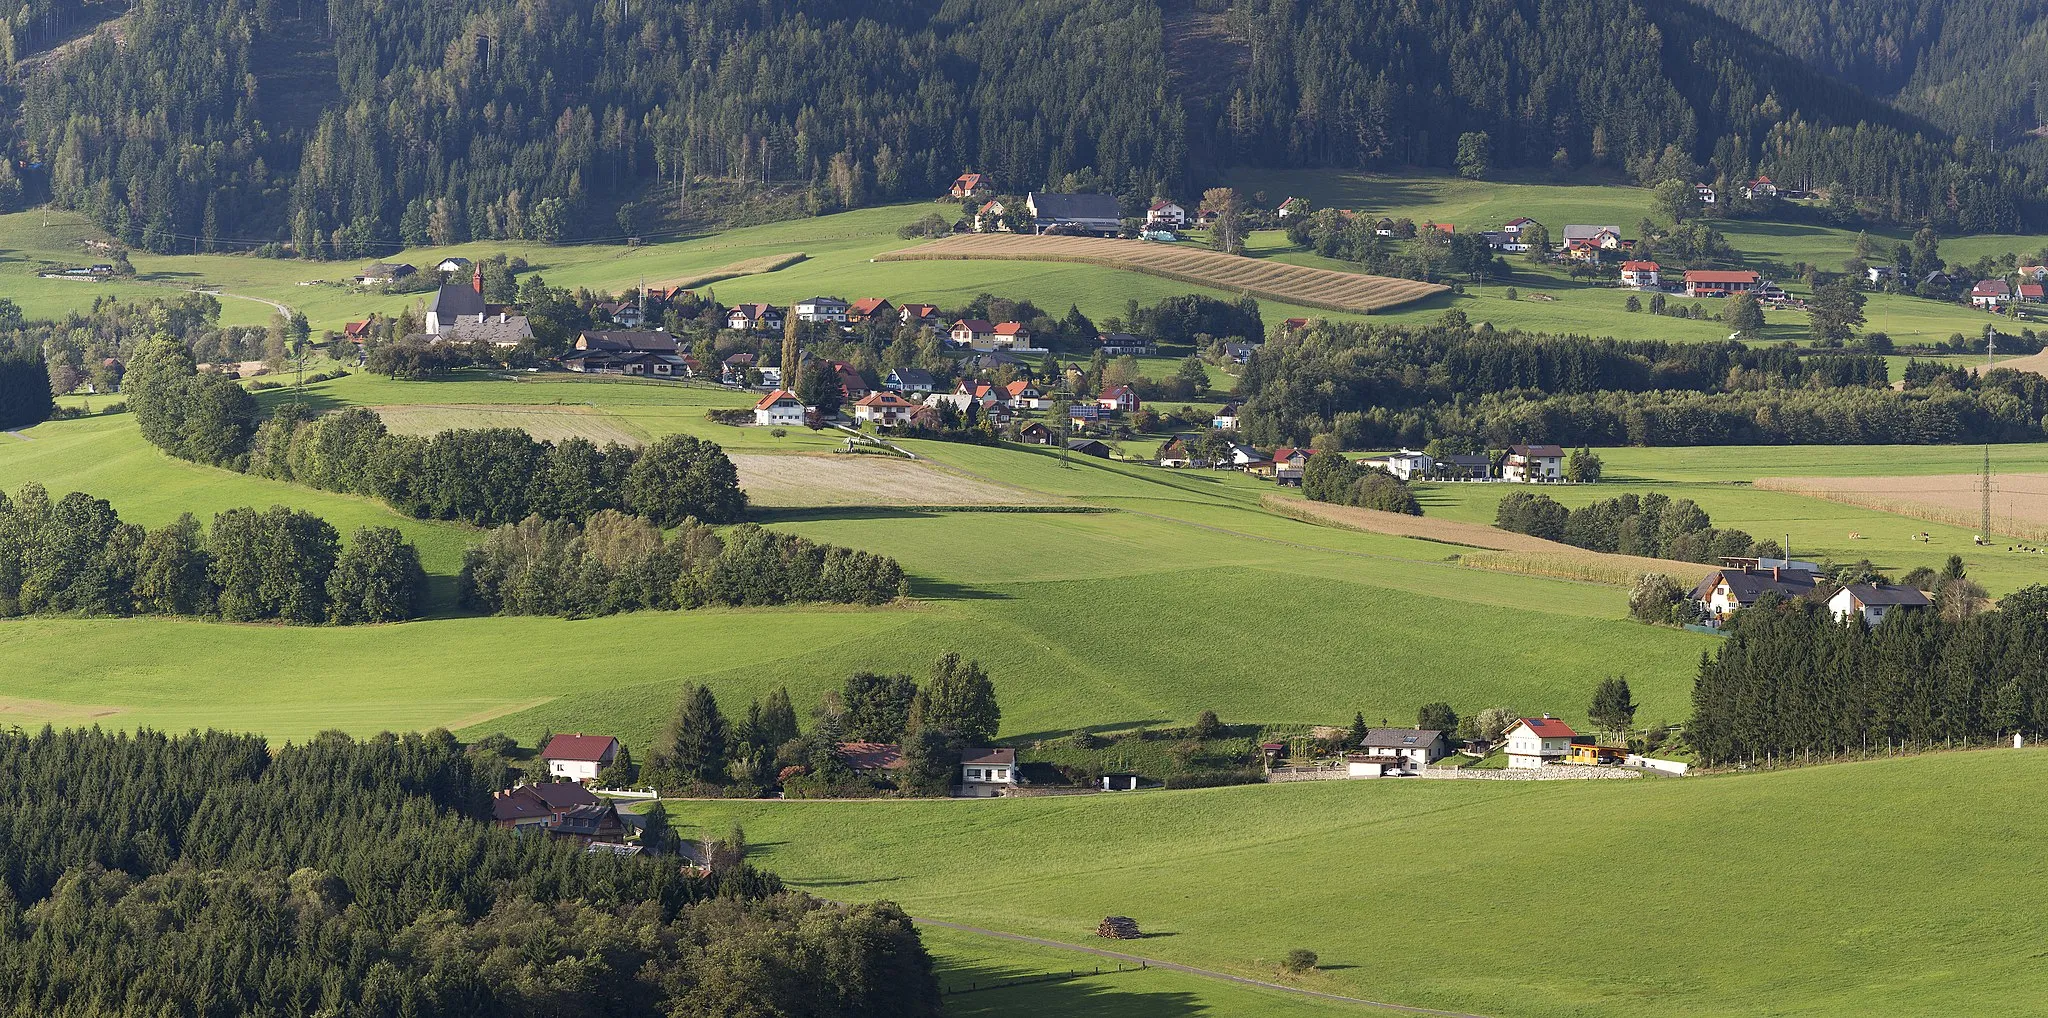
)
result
[(476, 281)]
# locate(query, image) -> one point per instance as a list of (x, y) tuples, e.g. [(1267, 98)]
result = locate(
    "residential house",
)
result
[(1877, 275), (356, 332), (883, 409), (987, 772), (1705, 194), (969, 185), (1024, 395), (1873, 601), (733, 370), (1463, 467), (383, 273), (1720, 282), (975, 333), (992, 361), (1116, 344), (754, 318), (579, 757), (1166, 213), (780, 408), (921, 315), (1084, 416), (1088, 447), (821, 309), (851, 385), (1179, 451), (1512, 234), (1410, 749), (1534, 742), (1291, 206), (1292, 325), (2031, 293), (869, 307), (1123, 399), (624, 313), (1526, 463), (1444, 228), (1384, 228), (1496, 239), (452, 265), (914, 380), (1074, 213), (538, 805), (1035, 433), (1010, 336), (1407, 464), (1726, 591), (989, 218), (626, 353), (1640, 275), (595, 824), (1991, 293), (771, 378), (1225, 418), (1594, 238), (1289, 464), (1761, 187), (1239, 353), (870, 759)]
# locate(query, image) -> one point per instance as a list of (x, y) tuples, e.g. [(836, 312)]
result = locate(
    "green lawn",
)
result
[(1876, 888)]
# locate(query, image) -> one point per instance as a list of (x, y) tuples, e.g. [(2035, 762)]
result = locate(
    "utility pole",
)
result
[(1984, 507)]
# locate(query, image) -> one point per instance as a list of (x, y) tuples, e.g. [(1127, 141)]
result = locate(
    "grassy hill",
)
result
[(1881, 888)]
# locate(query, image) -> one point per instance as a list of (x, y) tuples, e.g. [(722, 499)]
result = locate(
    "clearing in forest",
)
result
[(1501, 550), (1295, 284), (837, 479), (548, 423), (2019, 502)]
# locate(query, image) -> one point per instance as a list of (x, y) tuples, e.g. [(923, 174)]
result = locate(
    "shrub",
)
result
[(1299, 960), (1207, 726)]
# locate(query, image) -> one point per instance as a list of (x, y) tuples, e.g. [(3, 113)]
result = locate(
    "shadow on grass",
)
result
[(1113, 726), (315, 396), (991, 989), (827, 513), (927, 589)]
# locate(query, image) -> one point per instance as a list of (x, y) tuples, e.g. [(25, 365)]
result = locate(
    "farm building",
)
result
[(1719, 283), (626, 353), (1873, 601), (1074, 213), (1289, 463), (1597, 238), (1585, 751), (579, 757), (382, 273), (1533, 742), (987, 772), (1526, 463), (1088, 447), (1036, 434)]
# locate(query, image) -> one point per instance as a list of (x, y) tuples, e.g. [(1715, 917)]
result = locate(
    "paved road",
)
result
[(1191, 970)]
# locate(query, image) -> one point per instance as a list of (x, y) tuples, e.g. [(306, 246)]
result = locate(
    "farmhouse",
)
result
[(754, 318), (884, 409), (1526, 463), (2031, 293), (1074, 213), (916, 380), (1289, 463), (1705, 194), (452, 264), (1640, 275), (1873, 601), (1533, 742), (1601, 238), (1719, 283), (1166, 213), (626, 353), (821, 309), (1410, 749), (969, 185), (780, 408), (383, 273), (990, 218), (1726, 591), (595, 824), (579, 757), (987, 772), (538, 805), (1990, 293)]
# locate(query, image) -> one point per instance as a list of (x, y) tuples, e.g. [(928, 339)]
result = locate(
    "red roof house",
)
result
[(579, 757)]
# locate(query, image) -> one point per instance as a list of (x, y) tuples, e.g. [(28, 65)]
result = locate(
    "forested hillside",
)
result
[(1971, 66), (341, 128)]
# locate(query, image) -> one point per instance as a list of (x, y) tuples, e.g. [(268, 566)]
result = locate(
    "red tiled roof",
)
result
[(1549, 728), (868, 305), (1638, 266), (587, 748), (920, 310), (773, 398), (2030, 290), (1010, 329), (1157, 205), (1017, 387)]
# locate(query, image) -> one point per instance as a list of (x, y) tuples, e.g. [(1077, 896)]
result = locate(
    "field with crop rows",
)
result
[(1297, 284)]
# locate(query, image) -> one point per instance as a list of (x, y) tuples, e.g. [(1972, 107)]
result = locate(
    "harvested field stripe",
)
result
[(1295, 284), (750, 267)]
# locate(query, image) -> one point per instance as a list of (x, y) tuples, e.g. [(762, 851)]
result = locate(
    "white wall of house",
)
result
[(779, 415), (1528, 750), (573, 770)]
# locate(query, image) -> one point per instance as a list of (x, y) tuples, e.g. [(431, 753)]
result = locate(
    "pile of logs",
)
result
[(1118, 927)]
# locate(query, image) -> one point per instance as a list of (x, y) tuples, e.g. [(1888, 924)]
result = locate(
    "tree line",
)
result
[(143, 874), (1790, 679), (617, 563), (1651, 526), (1330, 477), (75, 556)]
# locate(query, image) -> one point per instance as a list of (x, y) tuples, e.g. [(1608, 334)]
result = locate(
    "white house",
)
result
[(1166, 213), (1641, 275), (1874, 601), (1532, 463), (780, 408), (1761, 187), (1410, 749), (1533, 742), (1605, 238), (987, 772), (1225, 418), (1724, 592), (1408, 464), (1705, 194), (886, 409), (821, 309), (1990, 293), (579, 757)]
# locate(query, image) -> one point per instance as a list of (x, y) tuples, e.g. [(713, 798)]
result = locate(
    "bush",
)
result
[(1652, 598), (1207, 726), (1299, 960)]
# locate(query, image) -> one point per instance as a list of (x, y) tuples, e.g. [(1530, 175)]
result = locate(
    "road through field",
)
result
[(1190, 969)]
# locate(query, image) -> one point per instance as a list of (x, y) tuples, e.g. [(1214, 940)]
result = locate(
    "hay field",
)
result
[(829, 479), (1295, 284), (2019, 502), (1502, 550), (546, 423), (749, 267), (2036, 363)]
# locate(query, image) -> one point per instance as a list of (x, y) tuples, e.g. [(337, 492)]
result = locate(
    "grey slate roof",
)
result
[(1060, 207), (1748, 586), (506, 333), (1400, 738), (456, 299), (1873, 594)]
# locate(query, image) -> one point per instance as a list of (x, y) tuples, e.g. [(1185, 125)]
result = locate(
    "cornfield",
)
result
[(1293, 284), (1588, 566)]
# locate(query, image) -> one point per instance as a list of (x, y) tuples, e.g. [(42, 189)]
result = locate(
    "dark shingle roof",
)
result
[(1400, 738), (1873, 594), (456, 299), (1748, 586), (1075, 206)]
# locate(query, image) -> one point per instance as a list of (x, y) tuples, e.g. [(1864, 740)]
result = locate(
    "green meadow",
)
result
[(1890, 887)]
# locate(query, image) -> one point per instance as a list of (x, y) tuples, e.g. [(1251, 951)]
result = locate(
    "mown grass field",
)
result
[(1875, 888)]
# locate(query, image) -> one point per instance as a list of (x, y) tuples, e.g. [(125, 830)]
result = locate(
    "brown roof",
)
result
[(871, 756), (869, 305), (775, 397), (587, 748), (976, 325), (529, 801), (1002, 757), (1719, 276)]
